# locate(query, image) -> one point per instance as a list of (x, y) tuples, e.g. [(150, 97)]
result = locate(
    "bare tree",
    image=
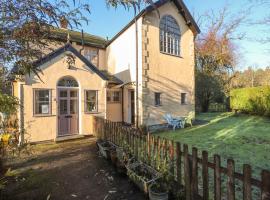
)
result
[(217, 55), (26, 28)]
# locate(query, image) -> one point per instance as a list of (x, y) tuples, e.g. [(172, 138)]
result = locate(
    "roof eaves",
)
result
[(179, 4), (69, 47)]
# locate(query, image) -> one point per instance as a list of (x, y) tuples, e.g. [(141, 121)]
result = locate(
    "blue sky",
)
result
[(106, 22)]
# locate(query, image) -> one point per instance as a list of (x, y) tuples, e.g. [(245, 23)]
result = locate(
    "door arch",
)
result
[(68, 106)]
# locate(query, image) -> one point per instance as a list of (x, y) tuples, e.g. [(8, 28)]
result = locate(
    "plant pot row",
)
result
[(143, 176)]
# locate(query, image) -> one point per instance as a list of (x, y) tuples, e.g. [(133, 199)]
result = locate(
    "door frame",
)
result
[(58, 88), (130, 106)]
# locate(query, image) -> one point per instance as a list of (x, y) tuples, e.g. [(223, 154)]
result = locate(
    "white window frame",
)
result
[(110, 94), (35, 90), (86, 101), (169, 36)]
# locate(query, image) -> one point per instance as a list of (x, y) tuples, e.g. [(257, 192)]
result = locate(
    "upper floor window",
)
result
[(170, 36), (91, 55)]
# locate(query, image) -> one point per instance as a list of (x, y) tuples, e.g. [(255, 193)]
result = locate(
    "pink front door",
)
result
[(68, 119)]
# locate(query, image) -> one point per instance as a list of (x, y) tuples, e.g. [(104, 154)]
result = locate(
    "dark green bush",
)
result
[(254, 100)]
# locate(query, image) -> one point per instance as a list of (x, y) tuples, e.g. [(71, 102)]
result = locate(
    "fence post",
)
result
[(194, 180), (247, 195), (187, 173), (172, 158), (159, 153), (230, 182), (148, 148), (178, 163), (265, 185), (205, 175), (154, 153), (217, 177)]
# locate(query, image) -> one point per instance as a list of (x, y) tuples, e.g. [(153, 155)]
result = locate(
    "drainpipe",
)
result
[(137, 74), (123, 117)]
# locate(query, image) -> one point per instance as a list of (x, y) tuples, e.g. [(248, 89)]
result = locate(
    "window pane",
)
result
[(157, 99), (91, 95), (116, 96), (73, 93), (63, 107), (73, 106), (68, 82), (183, 98), (63, 93), (91, 106), (91, 101)]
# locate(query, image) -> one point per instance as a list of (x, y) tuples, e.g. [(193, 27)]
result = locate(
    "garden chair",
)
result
[(175, 123), (188, 119)]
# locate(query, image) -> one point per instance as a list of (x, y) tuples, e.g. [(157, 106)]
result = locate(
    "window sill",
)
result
[(117, 102), (168, 54), (158, 105), (92, 113), (48, 115)]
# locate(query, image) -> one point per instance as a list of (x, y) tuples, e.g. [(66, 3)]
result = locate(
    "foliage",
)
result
[(251, 78), (209, 88), (8, 104), (26, 29), (254, 100)]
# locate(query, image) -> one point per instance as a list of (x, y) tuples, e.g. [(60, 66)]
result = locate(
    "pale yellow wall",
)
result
[(114, 109), (45, 128), (167, 74)]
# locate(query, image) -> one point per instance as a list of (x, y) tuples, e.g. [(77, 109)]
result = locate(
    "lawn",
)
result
[(244, 138)]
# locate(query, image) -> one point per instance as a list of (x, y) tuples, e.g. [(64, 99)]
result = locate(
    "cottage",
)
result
[(103, 79)]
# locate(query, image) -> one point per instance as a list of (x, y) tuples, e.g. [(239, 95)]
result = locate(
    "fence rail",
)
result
[(187, 169)]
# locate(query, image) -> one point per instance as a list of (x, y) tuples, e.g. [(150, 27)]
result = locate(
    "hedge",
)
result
[(255, 100)]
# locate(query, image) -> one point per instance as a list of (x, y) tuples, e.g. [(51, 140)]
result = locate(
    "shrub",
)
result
[(254, 100)]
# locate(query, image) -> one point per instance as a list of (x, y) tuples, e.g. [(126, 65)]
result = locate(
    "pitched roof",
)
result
[(111, 78), (68, 47), (76, 36), (183, 10)]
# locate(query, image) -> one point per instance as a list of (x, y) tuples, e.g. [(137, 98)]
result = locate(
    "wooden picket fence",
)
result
[(185, 167)]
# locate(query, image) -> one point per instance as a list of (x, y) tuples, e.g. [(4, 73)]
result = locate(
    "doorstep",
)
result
[(68, 137)]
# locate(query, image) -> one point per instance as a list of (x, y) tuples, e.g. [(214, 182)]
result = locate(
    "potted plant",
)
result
[(142, 175), (158, 191), (105, 147), (113, 155)]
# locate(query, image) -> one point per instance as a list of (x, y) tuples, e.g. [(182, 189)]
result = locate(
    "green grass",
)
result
[(244, 138)]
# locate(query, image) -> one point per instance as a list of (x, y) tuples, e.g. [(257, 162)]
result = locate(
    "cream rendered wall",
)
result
[(167, 74), (121, 60), (45, 128)]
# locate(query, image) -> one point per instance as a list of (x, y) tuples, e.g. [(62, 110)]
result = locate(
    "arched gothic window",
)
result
[(170, 36), (68, 82)]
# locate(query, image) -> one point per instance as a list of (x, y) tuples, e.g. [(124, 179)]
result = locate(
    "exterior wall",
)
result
[(114, 110), (169, 75), (46, 128), (121, 60)]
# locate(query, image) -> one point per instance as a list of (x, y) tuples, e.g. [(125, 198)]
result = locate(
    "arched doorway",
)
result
[(68, 106)]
